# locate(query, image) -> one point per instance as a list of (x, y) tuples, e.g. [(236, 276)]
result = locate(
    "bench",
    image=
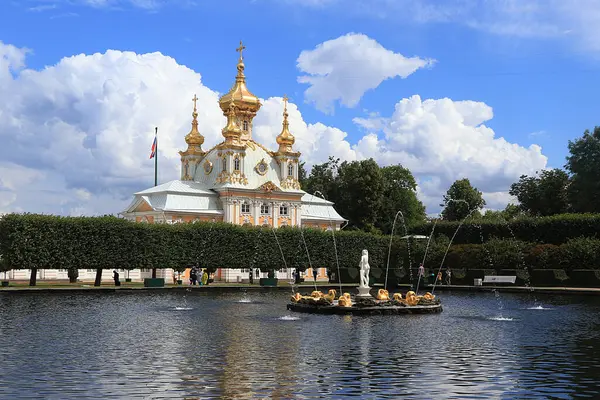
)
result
[(499, 279)]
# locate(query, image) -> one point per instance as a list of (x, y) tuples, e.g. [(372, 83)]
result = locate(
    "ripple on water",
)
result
[(125, 346)]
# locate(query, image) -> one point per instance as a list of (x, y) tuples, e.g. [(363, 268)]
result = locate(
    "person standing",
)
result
[(421, 271), (116, 278), (193, 276), (448, 276)]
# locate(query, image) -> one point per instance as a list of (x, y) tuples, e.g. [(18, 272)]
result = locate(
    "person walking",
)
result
[(116, 278), (448, 276), (421, 271)]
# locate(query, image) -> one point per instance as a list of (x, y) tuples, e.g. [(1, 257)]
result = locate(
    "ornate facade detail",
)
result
[(290, 183), (262, 167), (208, 167), (232, 177), (269, 187)]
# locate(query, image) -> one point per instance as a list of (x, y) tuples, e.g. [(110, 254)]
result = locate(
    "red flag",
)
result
[(153, 151)]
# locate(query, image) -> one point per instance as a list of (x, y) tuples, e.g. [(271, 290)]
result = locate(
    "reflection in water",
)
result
[(144, 345)]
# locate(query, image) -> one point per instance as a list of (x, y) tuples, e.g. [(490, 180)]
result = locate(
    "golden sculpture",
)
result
[(330, 296), (296, 297), (397, 297), (383, 294), (411, 299), (345, 300), (316, 294), (428, 296)]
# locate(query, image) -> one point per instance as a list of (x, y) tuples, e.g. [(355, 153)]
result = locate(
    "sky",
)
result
[(480, 89)]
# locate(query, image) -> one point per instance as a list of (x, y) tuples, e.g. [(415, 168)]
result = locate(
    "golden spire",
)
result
[(194, 139), (285, 139), (239, 93), (232, 131)]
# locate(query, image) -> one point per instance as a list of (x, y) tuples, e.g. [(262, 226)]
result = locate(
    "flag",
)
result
[(153, 151)]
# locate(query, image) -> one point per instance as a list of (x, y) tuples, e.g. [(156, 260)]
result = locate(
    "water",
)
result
[(337, 261), (135, 345), (387, 268)]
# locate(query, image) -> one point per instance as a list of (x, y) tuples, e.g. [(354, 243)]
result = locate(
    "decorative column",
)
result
[(256, 211), (275, 214)]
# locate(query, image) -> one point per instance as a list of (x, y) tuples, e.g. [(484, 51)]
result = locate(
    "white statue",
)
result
[(364, 269)]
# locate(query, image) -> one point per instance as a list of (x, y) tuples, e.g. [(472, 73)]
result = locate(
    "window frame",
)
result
[(263, 207)]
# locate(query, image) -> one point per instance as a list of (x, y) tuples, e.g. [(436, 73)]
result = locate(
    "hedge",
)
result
[(555, 229), (30, 241)]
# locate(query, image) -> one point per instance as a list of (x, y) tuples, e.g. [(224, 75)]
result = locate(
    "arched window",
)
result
[(264, 208), (224, 164), (291, 169), (236, 164), (245, 125)]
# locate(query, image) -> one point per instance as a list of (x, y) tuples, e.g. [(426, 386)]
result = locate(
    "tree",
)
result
[(322, 179), (584, 165), (302, 174), (367, 195), (511, 212), (360, 186), (543, 195), (399, 194), (458, 210)]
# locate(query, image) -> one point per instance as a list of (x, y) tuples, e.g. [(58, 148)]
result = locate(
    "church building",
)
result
[(238, 181)]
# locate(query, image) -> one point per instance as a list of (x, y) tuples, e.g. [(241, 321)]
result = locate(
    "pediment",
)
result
[(143, 206), (270, 187)]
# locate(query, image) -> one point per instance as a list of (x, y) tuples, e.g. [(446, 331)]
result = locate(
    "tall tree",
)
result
[(399, 194), (584, 165), (302, 174), (457, 210), (543, 195), (322, 179), (360, 186)]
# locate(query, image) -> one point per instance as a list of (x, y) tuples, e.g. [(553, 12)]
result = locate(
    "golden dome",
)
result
[(194, 138), (239, 93), (232, 131), (285, 139)]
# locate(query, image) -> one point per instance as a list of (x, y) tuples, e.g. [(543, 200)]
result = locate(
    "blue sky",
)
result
[(537, 68)]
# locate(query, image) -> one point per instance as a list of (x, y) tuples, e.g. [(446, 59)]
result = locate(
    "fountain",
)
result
[(364, 303)]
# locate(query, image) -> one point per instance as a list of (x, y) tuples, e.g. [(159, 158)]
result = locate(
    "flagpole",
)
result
[(156, 157)]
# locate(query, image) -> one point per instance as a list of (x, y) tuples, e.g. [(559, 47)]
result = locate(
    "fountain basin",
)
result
[(379, 309)]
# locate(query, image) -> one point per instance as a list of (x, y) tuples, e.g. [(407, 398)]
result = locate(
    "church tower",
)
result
[(287, 158), (240, 106), (191, 158), (245, 104)]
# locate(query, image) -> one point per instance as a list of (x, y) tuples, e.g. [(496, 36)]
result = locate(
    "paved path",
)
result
[(286, 287)]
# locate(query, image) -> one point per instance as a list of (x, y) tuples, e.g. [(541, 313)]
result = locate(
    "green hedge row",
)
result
[(555, 229), (29, 241)]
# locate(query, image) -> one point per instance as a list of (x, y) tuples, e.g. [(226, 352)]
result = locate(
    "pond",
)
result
[(236, 345)]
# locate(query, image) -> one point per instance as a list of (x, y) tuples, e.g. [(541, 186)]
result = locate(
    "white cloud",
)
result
[(76, 136), (444, 140), (345, 68)]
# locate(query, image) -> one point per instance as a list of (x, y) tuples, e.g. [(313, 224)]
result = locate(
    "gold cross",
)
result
[(285, 100), (194, 100), (240, 49)]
